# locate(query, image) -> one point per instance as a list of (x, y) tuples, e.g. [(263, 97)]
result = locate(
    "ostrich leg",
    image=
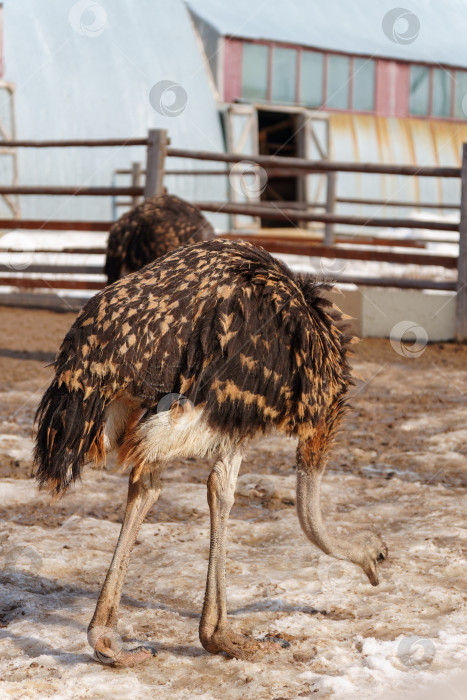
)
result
[(143, 492), (215, 633)]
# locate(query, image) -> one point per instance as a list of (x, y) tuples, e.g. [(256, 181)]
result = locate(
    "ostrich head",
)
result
[(368, 550)]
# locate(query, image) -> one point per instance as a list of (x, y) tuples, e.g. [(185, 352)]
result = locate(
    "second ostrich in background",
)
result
[(155, 227)]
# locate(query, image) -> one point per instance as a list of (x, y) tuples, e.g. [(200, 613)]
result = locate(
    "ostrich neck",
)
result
[(311, 520)]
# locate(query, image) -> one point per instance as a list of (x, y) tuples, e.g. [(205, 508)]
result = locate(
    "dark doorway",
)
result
[(278, 136)]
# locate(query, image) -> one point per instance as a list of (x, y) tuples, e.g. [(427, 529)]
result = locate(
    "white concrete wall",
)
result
[(384, 309), (404, 314)]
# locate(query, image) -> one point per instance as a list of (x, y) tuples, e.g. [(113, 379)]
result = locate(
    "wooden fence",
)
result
[(331, 245)]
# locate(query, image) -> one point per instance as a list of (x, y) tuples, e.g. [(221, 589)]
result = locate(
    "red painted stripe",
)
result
[(233, 55), (402, 90), (383, 88)]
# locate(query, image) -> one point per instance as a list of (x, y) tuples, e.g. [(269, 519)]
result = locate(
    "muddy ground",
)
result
[(400, 466)]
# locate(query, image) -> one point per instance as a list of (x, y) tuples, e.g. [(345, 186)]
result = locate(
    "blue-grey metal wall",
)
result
[(86, 70)]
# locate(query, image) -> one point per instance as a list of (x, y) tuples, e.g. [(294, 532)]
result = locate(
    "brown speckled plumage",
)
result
[(155, 227), (221, 322)]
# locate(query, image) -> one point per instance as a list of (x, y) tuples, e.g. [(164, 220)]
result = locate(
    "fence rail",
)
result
[(51, 225), (76, 191), (273, 212), (317, 166), (332, 245), (66, 143)]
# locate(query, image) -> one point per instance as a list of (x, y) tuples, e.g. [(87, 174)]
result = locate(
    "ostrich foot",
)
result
[(126, 658), (108, 649), (239, 646)]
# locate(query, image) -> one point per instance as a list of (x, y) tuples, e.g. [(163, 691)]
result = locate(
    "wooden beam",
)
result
[(182, 172), (317, 165), (397, 203), (301, 236), (155, 160), (40, 224), (75, 191), (330, 207), (269, 212), (88, 143), (64, 251), (397, 282), (136, 175), (52, 301), (58, 269), (316, 250), (380, 242), (461, 304), (37, 283)]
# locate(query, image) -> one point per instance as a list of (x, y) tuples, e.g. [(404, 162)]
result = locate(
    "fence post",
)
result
[(136, 172), (330, 207), (156, 152), (461, 304)]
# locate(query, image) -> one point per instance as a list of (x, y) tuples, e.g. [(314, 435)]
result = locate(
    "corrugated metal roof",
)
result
[(85, 72), (432, 31)]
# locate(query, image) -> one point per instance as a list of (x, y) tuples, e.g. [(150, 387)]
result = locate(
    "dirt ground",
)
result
[(400, 466)]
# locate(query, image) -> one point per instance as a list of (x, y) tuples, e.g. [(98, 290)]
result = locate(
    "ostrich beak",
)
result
[(372, 573)]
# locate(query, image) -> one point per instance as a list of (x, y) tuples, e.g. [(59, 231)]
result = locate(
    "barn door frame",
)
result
[(241, 126), (314, 142)]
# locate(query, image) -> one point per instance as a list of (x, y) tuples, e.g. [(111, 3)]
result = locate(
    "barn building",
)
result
[(355, 81)]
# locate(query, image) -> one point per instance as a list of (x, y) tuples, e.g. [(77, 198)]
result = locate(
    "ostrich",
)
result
[(151, 229), (246, 346)]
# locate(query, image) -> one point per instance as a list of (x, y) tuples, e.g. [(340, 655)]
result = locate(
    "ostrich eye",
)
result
[(381, 557)]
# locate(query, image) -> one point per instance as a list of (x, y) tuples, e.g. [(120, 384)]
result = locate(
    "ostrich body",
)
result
[(155, 227), (247, 346)]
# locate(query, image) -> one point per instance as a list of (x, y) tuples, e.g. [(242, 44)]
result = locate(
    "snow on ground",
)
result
[(400, 467)]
